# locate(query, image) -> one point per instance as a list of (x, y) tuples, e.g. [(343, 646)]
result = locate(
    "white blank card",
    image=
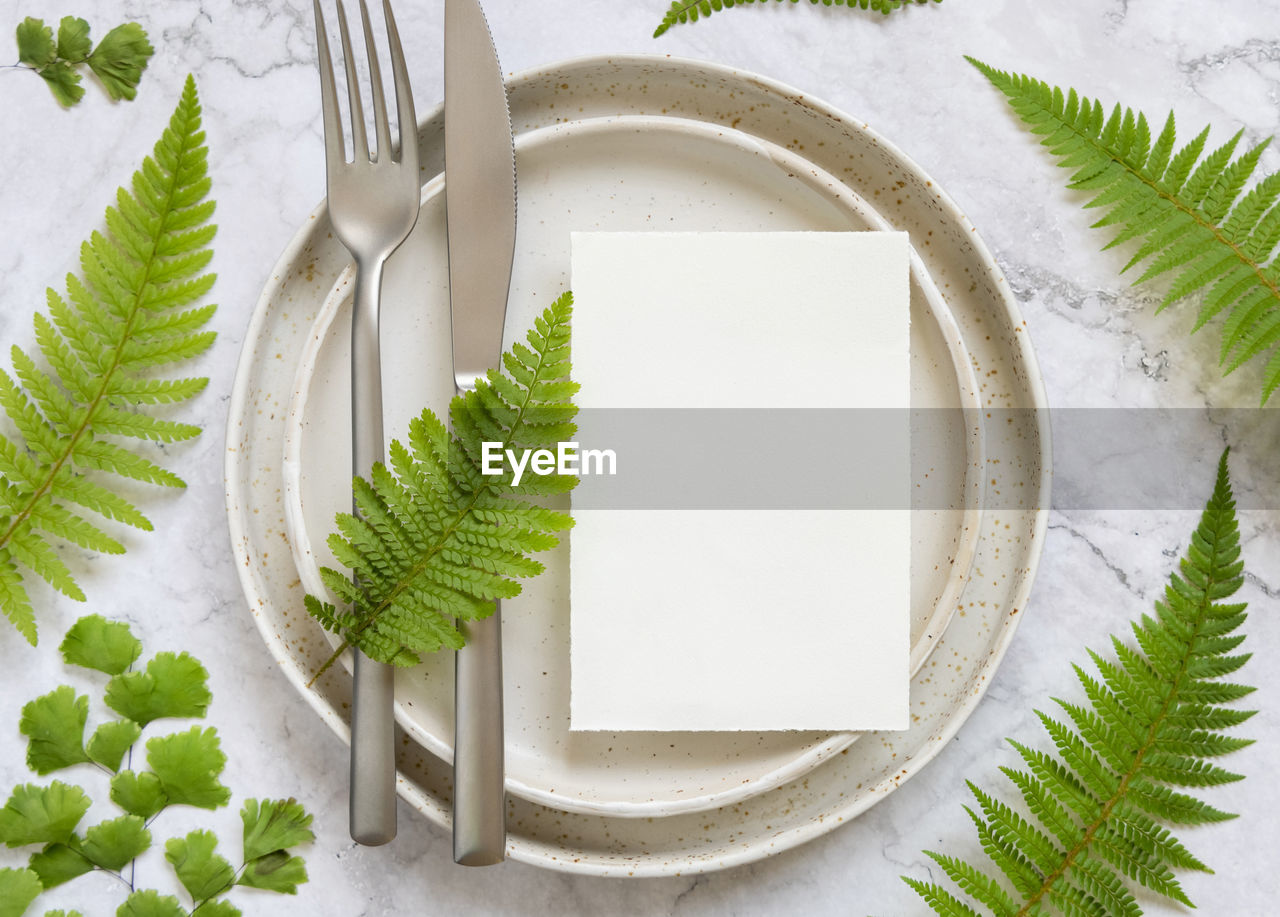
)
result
[(741, 619)]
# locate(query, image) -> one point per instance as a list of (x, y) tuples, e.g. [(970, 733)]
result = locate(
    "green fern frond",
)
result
[(1154, 715), (437, 540), (102, 342), (1189, 210), (693, 10)]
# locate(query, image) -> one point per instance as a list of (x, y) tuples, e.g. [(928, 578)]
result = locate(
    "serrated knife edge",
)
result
[(480, 190)]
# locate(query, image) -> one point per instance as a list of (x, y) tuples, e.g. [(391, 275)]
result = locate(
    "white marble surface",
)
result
[(1099, 342)]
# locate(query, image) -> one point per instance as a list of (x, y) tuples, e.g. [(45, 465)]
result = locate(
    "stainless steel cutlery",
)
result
[(480, 194), (373, 204)]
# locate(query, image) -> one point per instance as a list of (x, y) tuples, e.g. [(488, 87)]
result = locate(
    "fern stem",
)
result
[(115, 875), (423, 562), (1192, 212), (22, 516), (1191, 209), (692, 10), (222, 891), (1032, 902)]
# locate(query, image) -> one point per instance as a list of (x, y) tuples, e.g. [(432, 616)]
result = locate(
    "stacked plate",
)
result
[(626, 144)]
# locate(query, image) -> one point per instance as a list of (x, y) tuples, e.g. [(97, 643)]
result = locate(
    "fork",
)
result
[(373, 204)]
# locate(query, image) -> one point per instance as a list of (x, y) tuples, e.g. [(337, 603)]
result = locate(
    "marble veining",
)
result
[(1099, 342)]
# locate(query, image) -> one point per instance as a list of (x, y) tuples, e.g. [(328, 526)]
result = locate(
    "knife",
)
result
[(480, 202)]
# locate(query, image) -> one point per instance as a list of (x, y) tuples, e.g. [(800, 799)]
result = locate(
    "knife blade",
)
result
[(480, 211)]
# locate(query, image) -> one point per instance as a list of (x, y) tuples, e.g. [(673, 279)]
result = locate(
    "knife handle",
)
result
[(372, 811), (373, 769), (479, 806)]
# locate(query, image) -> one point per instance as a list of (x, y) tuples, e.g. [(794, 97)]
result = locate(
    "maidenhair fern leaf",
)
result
[(693, 10), (1189, 211), (437, 541), (1155, 714), (102, 341)]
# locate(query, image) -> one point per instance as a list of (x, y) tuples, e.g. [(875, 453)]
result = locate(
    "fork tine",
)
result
[(380, 125), (359, 140), (334, 150), (404, 96)]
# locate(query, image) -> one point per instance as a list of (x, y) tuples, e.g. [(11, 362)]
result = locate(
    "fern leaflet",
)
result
[(1189, 210), (437, 541), (1155, 714), (692, 10), (131, 313)]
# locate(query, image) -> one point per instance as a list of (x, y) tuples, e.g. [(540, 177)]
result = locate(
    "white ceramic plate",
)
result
[(612, 174), (955, 675)]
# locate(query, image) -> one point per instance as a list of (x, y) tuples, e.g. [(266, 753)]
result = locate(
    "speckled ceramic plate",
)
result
[(615, 174), (953, 677)]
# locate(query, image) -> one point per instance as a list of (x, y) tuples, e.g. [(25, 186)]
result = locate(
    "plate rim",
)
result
[(532, 851), (967, 522)]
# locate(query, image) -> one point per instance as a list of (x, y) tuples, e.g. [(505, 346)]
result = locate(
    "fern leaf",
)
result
[(941, 900), (1153, 716), (123, 316), (981, 887), (1190, 210), (692, 10), (437, 540)]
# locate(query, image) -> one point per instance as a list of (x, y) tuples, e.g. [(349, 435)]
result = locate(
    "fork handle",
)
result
[(373, 762), (479, 807)]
